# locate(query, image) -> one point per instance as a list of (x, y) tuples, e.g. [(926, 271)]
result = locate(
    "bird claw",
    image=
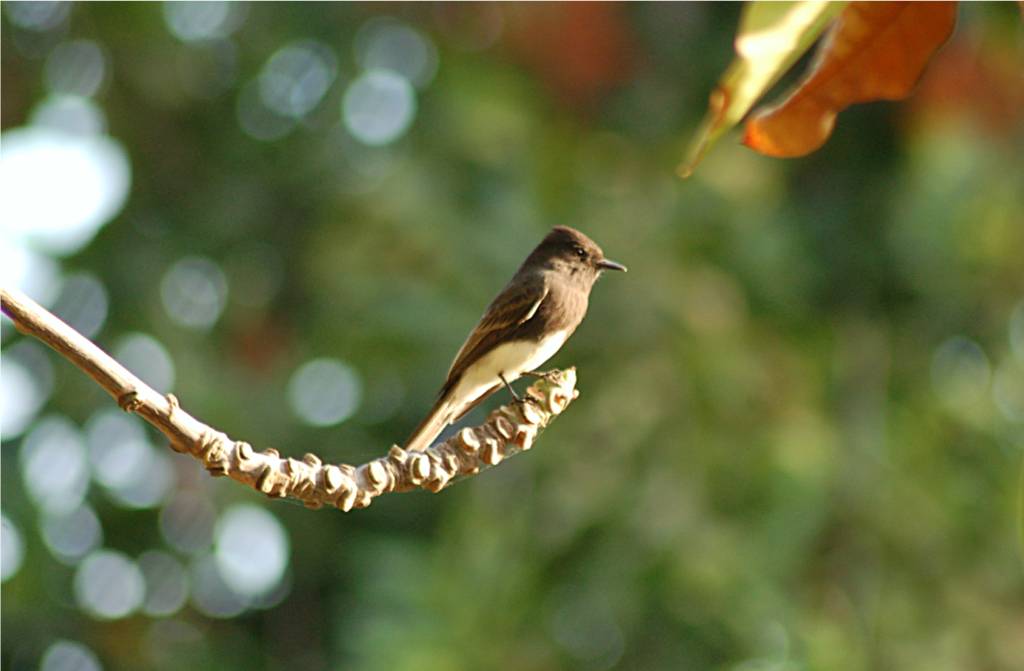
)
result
[(528, 399), (553, 376)]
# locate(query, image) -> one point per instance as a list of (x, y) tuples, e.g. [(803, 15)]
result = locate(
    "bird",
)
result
[(524, 326)]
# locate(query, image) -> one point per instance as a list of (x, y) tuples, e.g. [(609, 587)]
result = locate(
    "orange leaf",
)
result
[(875, 51), (771, 37)]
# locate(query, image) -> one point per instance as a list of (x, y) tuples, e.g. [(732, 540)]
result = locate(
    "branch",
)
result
[(507, 431)]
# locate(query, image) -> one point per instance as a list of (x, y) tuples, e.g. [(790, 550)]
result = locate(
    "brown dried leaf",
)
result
[(771, 37), (875, 51)]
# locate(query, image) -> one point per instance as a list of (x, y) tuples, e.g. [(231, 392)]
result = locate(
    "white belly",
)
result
[(510, 360)]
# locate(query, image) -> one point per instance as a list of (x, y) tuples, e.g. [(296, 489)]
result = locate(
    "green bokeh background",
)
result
[(798, 441)]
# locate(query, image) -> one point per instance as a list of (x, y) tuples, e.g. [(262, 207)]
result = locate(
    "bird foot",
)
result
[(512, 391), (528, 399), (551, 376)]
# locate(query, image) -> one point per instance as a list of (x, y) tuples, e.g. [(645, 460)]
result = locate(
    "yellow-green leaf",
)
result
[(772, 36)]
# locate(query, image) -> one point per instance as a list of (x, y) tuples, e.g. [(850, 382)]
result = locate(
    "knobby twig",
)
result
[(508, 430)]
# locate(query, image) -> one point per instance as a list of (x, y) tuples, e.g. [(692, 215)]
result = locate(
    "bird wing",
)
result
[(515, 305)]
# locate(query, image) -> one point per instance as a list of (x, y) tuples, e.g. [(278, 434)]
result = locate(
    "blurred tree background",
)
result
[(798, 444)]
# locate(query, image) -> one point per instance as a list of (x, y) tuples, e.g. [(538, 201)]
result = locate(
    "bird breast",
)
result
[(510, 359)]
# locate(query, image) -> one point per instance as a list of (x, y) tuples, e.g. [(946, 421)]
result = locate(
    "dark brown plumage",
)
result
[(522, 327)]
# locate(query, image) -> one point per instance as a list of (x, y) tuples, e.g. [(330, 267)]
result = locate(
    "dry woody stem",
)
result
[(508, 430)]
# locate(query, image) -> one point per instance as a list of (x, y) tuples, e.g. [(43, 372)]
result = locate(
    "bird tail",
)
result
[(432, 425)]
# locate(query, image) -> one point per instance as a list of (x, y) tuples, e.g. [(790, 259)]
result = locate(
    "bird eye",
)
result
[(580, 252)]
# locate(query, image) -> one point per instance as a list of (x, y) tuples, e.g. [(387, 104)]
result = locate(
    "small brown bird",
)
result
[(522, 328)]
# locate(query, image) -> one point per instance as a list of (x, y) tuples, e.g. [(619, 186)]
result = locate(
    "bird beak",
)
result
[(605, 264)]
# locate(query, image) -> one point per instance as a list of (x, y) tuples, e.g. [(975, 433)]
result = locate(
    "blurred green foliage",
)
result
[(798, 441)]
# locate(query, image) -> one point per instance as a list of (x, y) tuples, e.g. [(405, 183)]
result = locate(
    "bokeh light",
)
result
[(34, 274), (125, 462), (378, 107), (109, 585), (69, 114), (211, 594), (324, 392), (117, 447), (25, 386), (39, 16), (385, 43), (166, 583), (22, 395), (83, 304), (194, 292), (147, 358), (256, 119), (251, 549), (76, 67), (154, 484), (296, 77), (70, 536), (275, 596), (12, 549), (58, 188), (65, 655), (54, 465), (198, 21), (187, 522)]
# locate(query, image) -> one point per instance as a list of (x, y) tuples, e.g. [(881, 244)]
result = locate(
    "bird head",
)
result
[(567, 250)]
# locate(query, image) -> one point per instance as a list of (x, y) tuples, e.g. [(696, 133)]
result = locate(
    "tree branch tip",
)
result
[(507, 430)]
